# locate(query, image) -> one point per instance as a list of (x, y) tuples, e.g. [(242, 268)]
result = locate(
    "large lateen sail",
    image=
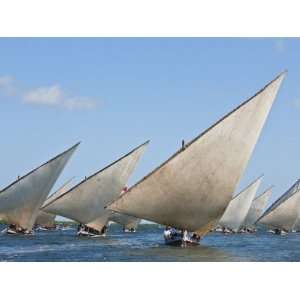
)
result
[(284, 212), (85, 202), (193, 187), (239, 206), (257, 208), (128, 222), (20, 201), (48, 220)]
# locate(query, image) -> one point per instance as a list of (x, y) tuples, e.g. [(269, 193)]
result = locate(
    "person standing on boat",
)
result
[(168, 232), (186, 237), (182, 145), (173, 232)]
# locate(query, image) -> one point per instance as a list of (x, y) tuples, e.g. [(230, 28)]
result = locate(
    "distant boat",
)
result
[(129, 223), (46, 221), (238, 208), (256, 210), (296, 227), (283, 214), (192, 188), (85, 202), (21, 200)]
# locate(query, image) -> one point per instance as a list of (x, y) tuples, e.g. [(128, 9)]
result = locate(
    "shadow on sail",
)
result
[(46, 221), (129, 223)]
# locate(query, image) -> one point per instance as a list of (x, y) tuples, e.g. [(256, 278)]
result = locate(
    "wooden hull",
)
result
[(178, 241), (13, 232), (83, 233), (42, 228)]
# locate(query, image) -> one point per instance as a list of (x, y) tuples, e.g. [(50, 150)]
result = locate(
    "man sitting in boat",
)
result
[(170, 233), (187, 239), (167, 232), (186, 236)]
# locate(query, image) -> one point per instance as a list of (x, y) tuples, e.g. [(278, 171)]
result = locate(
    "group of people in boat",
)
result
[(13, 229), (82, 228), (45, 227), (128, 229), (229, 230), (279, 231), (247, 230), (171, 233)]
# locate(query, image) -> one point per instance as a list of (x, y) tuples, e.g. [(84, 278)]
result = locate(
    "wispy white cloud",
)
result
[(7, 84), (52, 96), (280, 46)]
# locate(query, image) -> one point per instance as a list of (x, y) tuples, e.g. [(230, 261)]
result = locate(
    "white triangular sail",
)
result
[(284, 212), (257, 207), (128, 222), (239, 206), (85, 203), (192, 188), (46, 219), (20, 201)]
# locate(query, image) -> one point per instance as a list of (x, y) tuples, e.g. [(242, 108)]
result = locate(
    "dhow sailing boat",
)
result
[(256, 210), (191, 190), (129, 223), (283, 214), (46, 221), (85, 202), (21, 200), (238, 208)]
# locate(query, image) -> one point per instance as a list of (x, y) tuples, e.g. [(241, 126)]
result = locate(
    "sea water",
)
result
[(147, 245)]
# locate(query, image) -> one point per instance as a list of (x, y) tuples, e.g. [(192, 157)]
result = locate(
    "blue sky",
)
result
[(114, 94)]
